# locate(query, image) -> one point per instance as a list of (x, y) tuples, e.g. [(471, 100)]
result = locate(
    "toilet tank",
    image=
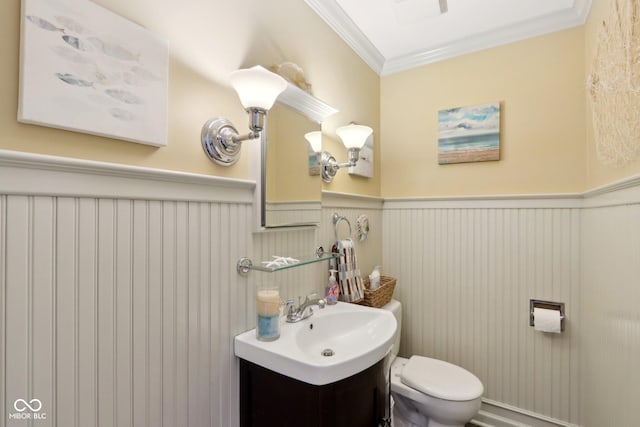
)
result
[(395, 307)]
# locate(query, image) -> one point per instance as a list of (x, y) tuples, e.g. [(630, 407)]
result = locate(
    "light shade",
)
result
[(315, 140), (354, 136), (257, 87)]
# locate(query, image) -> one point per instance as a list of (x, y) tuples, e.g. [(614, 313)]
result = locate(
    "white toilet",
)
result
[(429, 392)]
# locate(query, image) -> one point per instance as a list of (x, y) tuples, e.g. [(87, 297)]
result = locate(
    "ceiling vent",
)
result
[(410, 11)]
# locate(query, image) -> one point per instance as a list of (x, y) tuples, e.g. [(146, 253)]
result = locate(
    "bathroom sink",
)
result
[(335, 343)]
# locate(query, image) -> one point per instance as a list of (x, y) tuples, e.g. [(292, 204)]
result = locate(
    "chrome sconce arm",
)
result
[(258, 90), (330, 166)]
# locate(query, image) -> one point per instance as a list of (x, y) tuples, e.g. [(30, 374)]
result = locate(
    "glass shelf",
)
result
[(245, 264)]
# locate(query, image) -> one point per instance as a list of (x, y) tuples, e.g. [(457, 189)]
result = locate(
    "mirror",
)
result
[(291, 185), (292, 193)]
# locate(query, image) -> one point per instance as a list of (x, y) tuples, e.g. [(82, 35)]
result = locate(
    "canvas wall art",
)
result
[(469, 134), (86, 69)]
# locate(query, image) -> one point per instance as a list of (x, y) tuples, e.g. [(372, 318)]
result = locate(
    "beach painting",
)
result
[(469, 134), (85, 69)]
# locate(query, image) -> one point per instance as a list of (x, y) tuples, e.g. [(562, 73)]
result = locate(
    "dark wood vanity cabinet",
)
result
[(269, 399)]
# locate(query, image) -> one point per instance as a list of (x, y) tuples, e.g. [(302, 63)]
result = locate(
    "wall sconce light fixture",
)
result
[(353, 137), (257, 89)]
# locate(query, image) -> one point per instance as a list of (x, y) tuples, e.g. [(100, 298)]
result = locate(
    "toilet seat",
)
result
[(440, 379)]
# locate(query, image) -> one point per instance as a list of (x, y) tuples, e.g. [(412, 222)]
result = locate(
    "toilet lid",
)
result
[(441, 379)]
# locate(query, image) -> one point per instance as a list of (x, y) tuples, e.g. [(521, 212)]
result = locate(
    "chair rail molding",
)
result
[(62, 176)]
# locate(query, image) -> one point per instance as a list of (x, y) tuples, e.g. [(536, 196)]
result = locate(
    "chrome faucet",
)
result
[(297, 314)]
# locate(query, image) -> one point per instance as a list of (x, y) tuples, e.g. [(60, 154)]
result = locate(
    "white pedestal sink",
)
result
[(335, 343)]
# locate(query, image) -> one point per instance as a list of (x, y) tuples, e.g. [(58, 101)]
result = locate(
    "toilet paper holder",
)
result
[(549, 305)]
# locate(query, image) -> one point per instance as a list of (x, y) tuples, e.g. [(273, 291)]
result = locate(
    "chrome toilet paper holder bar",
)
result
[(549, 305)]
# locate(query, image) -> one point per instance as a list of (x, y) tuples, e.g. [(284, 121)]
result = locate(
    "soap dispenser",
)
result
[(332, 288)]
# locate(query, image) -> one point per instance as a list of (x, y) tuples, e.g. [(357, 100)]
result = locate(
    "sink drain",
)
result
[(327, 352)]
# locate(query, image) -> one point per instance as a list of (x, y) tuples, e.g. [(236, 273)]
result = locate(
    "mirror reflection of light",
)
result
[(315, 140)]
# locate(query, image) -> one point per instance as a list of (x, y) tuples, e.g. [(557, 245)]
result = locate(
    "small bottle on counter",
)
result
[(332, 288)]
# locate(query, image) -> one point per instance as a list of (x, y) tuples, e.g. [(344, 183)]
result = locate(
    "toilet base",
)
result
[(397, 421), (405, 414), (400, 421)]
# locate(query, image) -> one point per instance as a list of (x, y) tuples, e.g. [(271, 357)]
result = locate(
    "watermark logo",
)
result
[(27, 410), (21, 405)]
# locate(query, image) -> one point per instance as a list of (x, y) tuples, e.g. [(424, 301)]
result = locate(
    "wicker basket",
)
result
[(380, 296)]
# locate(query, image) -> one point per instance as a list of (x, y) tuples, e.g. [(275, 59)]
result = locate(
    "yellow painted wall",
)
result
[(597, 173), (207, 41), (540, 85), (547, 139)]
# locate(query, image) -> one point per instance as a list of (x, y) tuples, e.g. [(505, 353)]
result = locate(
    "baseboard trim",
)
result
[(497, 414)]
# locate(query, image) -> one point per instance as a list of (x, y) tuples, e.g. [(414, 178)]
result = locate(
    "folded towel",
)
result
[(349, 279)]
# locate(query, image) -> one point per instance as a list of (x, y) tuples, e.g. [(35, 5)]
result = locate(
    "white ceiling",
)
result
[(396, 35)]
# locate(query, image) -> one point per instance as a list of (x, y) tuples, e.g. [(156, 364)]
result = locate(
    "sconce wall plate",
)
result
[(218, 141), (328, 166)]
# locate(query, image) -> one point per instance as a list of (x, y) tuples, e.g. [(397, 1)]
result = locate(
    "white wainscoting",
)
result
[(120, 297), (610, 328), (119, 293), (466, 270)]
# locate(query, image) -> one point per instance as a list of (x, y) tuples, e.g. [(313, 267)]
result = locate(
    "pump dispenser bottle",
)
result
[(332, 288)]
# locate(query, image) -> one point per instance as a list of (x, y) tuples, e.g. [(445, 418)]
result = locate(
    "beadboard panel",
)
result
[(610, 331), (121, 310), (465, 277)]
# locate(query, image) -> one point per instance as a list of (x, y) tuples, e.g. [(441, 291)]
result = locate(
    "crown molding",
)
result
[(338, 20), (547, 24)]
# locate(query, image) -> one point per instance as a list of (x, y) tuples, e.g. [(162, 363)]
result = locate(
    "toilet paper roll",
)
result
[(546, 320)]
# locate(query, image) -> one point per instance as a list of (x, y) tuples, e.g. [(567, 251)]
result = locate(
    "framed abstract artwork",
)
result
[(469, 134), (83, 68)]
